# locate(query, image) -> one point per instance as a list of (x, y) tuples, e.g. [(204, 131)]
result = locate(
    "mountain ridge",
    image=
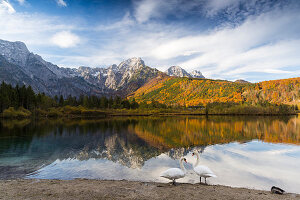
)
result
[(45, 77), (180, 72)]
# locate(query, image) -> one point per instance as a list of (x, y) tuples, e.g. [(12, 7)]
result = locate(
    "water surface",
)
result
[(253, 152)]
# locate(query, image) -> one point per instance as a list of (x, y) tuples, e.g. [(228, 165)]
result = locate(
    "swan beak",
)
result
[(185, 160), (193, 154)]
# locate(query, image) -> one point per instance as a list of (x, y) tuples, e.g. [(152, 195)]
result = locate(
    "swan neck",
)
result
[(182, 166), (198, 159)]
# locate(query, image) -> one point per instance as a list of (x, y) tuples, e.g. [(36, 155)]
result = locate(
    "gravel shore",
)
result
[(100, 189)]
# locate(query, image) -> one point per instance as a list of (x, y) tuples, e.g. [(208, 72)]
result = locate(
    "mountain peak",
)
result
[(14, 52), (113, 67), (177, 71), (241, 81), (131, 63), (197, 74)]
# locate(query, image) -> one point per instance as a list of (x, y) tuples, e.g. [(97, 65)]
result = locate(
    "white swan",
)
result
[(175, 173), (202, 170)]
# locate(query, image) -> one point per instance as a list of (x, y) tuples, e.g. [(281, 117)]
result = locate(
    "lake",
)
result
[(243, 151)]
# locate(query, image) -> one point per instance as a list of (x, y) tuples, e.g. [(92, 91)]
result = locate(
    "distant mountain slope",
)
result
[(285, 91), (12, 74), (196, 74), (241, 81), (193, 92), (179, 72), (19, 66), (132, 77)]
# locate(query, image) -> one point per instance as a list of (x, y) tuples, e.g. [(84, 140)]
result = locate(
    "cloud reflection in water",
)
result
[(254, 164)]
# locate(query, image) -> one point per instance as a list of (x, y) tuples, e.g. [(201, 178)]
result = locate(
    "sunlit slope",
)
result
[(285, 91), (194, 92)]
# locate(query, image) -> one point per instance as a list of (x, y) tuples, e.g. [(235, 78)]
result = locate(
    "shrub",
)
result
[(53, 112), (70, 110), (13, 113)]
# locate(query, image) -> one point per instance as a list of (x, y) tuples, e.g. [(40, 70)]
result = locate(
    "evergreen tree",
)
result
[(110, 103), (103, 102), (125, 104), (61, 100), (117, 102), (134, 104)]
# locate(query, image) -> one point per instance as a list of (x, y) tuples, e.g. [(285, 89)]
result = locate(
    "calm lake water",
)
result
[(253, 152)]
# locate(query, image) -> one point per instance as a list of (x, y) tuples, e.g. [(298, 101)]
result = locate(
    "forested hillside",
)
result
[(21, 101), (187, 92)]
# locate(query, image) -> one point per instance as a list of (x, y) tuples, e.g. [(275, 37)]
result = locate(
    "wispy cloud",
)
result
[(235, 10), (125, 22), (259, 45), (145, 10), (6, 7), (261, 41), (21, 2), (33, 29), (61, 3)]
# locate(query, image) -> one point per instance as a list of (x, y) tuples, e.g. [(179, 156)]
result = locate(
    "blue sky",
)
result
[(254, 40)]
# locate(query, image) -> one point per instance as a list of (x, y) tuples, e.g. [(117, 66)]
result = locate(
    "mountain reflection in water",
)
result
[(255, 152)]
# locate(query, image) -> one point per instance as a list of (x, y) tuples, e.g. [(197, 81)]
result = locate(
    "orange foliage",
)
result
[(177, 91)]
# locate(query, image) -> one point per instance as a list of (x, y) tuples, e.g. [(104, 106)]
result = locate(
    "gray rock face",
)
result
[(19, 66), (178, 71), (14, 52), (118, 77), (241, 81), (12, 74), (197, 74), (43, 76)]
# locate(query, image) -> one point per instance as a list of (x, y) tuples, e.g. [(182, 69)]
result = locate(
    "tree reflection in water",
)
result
[(131, 143)]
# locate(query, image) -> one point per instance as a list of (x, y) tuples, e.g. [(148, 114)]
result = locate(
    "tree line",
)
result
[(25, 97)]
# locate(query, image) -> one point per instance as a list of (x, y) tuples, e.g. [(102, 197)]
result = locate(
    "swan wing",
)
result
[(173, 173), (203, 170)]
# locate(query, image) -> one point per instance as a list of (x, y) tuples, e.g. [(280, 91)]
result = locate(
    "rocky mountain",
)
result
[(197, 74), (19, 66), (121, 79), (179, 72), (241, 81)]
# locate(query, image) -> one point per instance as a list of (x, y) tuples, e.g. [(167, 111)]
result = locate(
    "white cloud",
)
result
[(260, 44), (147, 8), (125, 22), (267, 43), (236, 10), (61, 3), (33, 29), (21, 2), (65, 39), (6, 7)]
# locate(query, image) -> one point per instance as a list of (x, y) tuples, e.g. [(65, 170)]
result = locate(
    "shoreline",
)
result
[(110, 189), (159, 114)]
